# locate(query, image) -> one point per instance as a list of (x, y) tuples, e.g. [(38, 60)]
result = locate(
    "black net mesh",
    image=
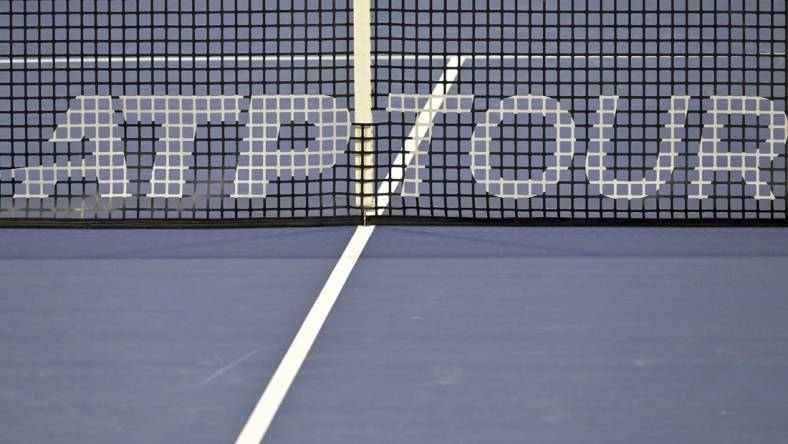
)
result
[(582, 110), (162, 110), (485, 111)]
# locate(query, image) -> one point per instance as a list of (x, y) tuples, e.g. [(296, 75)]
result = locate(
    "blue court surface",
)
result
[(439, 335)]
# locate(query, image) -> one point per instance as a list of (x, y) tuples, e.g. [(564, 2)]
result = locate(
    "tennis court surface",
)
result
[(393, 221), (440, 335)]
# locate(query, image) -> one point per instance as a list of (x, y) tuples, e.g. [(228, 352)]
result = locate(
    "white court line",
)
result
[(265, 410), (418, 132), (279, 59), (263, 414), (134, 60)]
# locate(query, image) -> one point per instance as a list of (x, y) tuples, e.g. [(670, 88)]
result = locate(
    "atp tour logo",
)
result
[(92, 120)]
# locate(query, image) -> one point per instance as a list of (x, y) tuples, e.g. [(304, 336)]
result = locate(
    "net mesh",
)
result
[(576, 111), (583, 109), (175, 110)]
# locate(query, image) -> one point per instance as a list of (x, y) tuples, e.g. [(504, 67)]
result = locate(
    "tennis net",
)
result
[(402, 111)]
